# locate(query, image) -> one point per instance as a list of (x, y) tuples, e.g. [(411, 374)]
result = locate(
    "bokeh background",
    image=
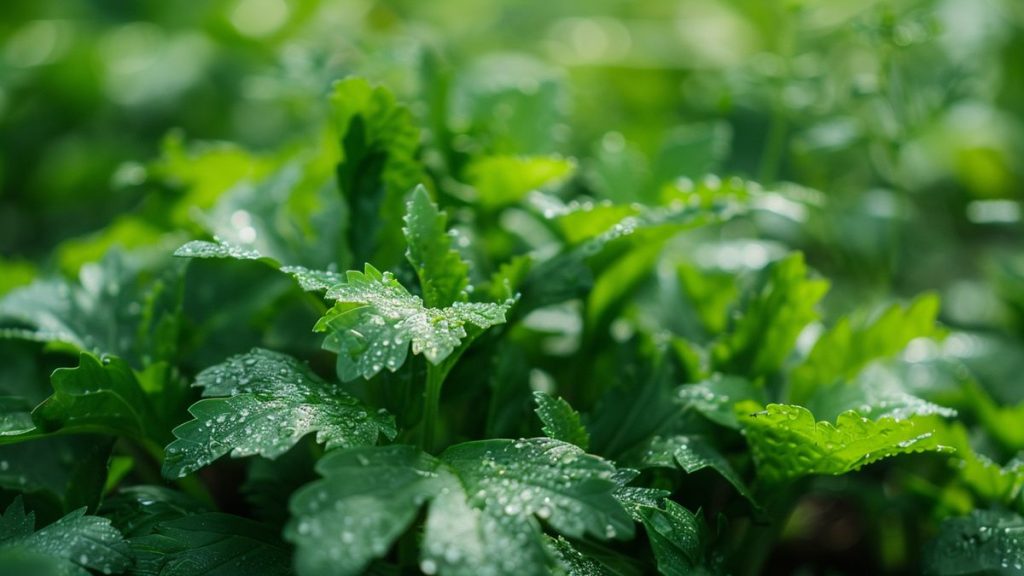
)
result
[(895, 129), (905, 117)]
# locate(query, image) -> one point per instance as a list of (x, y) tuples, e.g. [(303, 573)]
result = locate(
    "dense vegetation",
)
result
[(490, 287)]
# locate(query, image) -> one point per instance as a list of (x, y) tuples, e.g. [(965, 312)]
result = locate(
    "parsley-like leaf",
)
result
[(272, 400), (487, 497), (787, 442), (211, 544), (376, 319), (70, 546)]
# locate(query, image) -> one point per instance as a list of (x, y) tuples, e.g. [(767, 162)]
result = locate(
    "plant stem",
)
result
[(432, 401)]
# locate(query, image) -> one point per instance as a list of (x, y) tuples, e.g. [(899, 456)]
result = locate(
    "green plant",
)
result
[(585, 394)]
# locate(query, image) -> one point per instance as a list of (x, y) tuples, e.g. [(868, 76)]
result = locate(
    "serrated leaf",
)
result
[(376, 319), (692, 453), (787, 442), (273, 400), (679, 540), (766, 330), (846, 348), (574, 562), (561, 422), (378, 167), (72, 545), (211, 544), (635, 498), (503, 180), (442, 273), (486, 499), (986, 542)]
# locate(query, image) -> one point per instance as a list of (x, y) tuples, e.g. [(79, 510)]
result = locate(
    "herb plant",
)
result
[(376, 351)]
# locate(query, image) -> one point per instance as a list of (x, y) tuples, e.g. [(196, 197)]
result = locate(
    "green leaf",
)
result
[(70, 546), (635, 498), (100, 396), (442, 273), (561, 422), (15, 417), (211, 544), (716, 398), (309, 280), (219, 249), (763, 336), (378, 167), (376, 319), (120, 306), (692, 453), (986, 542), (680, 541), (574, 562), (367, 498), (486, 497), (503, 180), (204, 171), (273, 400), (990, 481), (57, 474), (693, 151), (137, 510), (845, 349), (787, 442), (876, 392), (1002, 422)]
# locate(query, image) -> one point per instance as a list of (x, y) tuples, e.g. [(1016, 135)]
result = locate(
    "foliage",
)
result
[(618, 288)]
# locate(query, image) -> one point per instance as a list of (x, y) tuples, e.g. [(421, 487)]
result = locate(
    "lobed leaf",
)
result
[(272, 401), (486, 499), (787, 442), (210, 544), (70, 546), (376, 319)]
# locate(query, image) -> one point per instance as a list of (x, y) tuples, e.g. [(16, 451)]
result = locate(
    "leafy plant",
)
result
[(382, 349)]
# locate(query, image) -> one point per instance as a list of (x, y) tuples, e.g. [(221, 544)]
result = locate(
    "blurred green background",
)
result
[(893, 131), (903, 118)]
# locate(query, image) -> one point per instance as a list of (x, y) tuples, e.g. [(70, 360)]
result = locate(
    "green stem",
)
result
[(762, 535), (432, 402)]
